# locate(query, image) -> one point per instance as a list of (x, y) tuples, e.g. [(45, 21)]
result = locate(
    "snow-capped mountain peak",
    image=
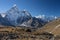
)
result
[(3, 15), (14, 5), (18, 17)]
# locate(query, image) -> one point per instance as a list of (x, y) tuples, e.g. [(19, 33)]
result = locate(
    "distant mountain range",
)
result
[(15, 17)]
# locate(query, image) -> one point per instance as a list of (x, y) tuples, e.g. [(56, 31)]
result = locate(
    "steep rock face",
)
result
[(17, 17), (38, 22), (24, 19), (13, 14)]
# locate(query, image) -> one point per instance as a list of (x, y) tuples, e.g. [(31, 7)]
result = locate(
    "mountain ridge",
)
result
[(16, 17)]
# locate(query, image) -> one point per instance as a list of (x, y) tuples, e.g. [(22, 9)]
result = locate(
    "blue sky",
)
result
[(35, 7)]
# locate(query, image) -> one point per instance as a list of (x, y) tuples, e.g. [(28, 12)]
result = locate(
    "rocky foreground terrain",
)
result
[(11, 33), (50, 31)]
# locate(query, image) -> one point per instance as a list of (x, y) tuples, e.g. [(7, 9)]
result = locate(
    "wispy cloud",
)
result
[(44, 16), (40, 16)]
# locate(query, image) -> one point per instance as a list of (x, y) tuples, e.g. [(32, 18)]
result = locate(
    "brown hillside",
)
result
[(52, 27)]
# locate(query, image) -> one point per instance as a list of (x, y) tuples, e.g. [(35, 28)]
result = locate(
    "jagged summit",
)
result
[(14, 5), (14, 12), (18, 17)]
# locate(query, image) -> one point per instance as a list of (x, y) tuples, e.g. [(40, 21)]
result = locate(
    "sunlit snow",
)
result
[(3, 15)]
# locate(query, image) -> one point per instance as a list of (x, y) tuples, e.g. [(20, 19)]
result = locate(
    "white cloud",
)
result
[(40, 16), (55, 17), (44, 17)]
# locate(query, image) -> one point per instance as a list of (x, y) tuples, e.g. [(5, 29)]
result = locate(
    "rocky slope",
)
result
[(52, 27)]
